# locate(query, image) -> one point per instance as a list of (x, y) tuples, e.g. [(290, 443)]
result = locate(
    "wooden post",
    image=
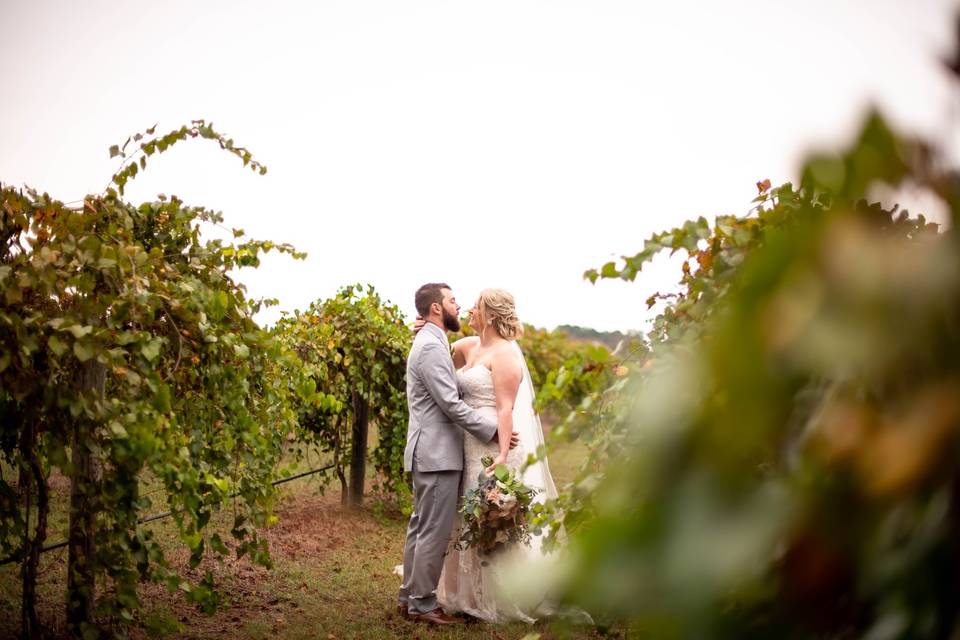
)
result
[(29, 623), (81, 584), (358, 458)]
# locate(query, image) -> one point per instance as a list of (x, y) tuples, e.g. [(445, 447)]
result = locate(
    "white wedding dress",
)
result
[(483, 586)]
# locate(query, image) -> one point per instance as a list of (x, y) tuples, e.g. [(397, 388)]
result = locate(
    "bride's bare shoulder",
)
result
[(506, 358), (462, 349), (467, 344)]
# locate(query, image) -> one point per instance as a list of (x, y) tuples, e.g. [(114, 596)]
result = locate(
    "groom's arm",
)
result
[(436, 370)]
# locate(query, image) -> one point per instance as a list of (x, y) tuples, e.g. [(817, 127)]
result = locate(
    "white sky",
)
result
[(510, 144)]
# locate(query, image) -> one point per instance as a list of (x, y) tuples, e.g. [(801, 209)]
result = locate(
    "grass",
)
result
[(332, 577)]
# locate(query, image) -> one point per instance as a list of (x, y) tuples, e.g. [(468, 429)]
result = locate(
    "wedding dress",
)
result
[(480, 585)]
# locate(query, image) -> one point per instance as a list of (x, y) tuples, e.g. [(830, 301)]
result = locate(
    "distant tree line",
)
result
[(609, 338)]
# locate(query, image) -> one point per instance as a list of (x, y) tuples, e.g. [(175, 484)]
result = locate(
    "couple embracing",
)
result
[(477, 402)]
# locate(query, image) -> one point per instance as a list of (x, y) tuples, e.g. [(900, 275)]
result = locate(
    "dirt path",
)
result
[(331, 578)]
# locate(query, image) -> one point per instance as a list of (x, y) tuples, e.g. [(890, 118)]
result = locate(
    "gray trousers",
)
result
[(435, 496)]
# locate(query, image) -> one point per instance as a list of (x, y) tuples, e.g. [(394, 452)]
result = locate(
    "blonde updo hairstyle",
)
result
[(497, 308)]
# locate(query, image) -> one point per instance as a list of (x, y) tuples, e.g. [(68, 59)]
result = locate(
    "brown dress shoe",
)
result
[(437, 616), (403, 611)]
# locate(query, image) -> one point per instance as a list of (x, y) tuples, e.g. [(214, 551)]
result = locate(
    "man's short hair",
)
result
[(427, 295)]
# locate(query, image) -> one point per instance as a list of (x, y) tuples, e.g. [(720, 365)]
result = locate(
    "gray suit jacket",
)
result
[(437, 414)]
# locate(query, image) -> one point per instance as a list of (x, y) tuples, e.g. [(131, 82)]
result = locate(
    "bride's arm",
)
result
[(462, 349), (507, 375)]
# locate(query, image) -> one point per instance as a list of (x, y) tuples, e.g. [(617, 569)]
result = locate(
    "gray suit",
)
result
[(434, 454)]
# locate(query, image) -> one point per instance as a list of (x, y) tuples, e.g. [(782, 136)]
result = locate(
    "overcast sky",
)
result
[(510, 144)]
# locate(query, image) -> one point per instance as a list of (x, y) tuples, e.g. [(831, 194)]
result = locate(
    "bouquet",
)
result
[(495, 512)]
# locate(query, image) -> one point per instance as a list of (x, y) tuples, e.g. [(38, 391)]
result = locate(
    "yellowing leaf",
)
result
[(57, 346), (82, 351), (79, 331)]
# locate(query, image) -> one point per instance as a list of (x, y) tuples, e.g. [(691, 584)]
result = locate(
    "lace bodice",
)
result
[(477, 386), (476, 383)]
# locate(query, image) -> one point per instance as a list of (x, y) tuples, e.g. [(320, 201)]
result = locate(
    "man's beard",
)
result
[(450, 321)]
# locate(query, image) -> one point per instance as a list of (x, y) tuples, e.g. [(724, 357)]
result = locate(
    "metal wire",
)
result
[(167, 514)]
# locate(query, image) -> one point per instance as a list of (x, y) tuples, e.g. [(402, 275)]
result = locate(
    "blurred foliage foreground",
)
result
[(785, 462)]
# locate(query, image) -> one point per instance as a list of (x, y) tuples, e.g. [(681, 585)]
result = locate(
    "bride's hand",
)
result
[(418, 324), (500, 459)]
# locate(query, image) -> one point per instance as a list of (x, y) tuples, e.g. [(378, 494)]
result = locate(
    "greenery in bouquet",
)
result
[(495, 512)]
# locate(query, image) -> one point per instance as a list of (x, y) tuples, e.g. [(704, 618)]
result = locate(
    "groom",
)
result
[(434, 452)]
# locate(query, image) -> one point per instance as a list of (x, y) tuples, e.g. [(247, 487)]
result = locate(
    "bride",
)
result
[(494, 379)]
